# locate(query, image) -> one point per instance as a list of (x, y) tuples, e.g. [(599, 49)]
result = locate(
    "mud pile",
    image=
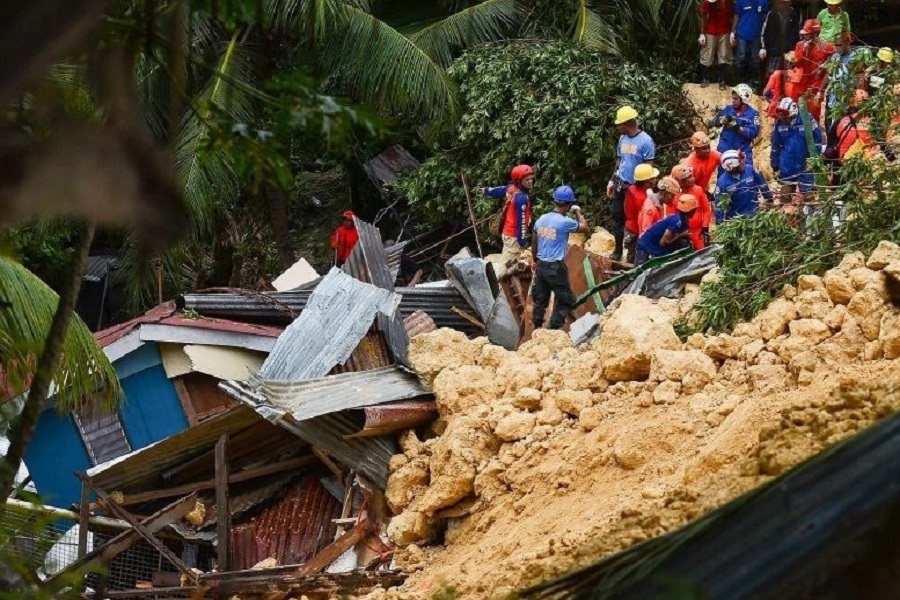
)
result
[(552, 457)]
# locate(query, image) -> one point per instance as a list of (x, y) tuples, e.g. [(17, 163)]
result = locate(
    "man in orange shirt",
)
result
[(699, 225), (344, 238), (811, 53), (784, 83), (703, 160), (659, 205), (645, 177)]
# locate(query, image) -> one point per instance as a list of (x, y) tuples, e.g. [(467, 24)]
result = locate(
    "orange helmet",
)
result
[(699, 139), (680, 172), (686, 203), (520, 172), (348, 214), (811, 26), (669, 184)]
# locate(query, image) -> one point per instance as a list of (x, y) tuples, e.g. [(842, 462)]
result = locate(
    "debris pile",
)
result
[(551, 457)]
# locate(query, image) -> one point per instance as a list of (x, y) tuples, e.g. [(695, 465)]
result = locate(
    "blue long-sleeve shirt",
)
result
[(742, 136), (789, 149), (516, 214), (744, 189)]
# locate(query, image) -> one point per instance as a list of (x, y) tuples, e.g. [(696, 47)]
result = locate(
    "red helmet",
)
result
[(348, 214), (520, 172), (811, 26)]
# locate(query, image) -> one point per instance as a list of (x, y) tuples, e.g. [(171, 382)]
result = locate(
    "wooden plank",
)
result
[(223, 512), (468, 317), (172, 513), (147, 592), (326, 460), (84, 517), (210, 484), (143, 532), (185, 397), (333, 551)]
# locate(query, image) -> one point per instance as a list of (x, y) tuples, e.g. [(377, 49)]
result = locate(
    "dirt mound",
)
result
[(553, 457)]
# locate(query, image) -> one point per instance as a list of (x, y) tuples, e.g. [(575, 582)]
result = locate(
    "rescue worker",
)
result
[(840, 83), (344, 238), (703, 160), (746, 30), (515, 220), (780, 33), (715, 44), (739, 122), (658, 205), (645, 177), (634, 147), (790, 153), (834, 20), (551, 241), (701, 218), (811, 53), (876, 77), (669, 234), (784, 83), (853, 133), (742, 184)]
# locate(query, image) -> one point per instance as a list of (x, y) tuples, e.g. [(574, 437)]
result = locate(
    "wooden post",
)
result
[(84, 515), (223, 512), (471, 215)]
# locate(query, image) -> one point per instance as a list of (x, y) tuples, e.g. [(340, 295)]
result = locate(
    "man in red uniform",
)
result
[(699, 224), (344, 238), (515, 221), (716, 18), (645, 176), (811, 53), (703, 160), (660, 205), (786, 82)]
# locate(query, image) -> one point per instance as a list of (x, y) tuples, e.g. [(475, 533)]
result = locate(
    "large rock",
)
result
[(406, 483), (890, 336), (515, 426), (432, 352), (864, 277), (867, 307), (770, 379), (678, 365), (574, 401), (773, 320), (723, 347), (883, 255), (601, 242), (631, 335), (458, 389), (527, 398), (838, 286), (410, 527), (813, 303), (811, 329)]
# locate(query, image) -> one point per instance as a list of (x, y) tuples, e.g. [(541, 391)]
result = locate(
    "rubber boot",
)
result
[(722, 70), (704, 76)]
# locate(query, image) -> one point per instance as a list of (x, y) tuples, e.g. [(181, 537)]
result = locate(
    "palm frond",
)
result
[(484, 22), (388, 70), (27, 306), (594, 31), (315, 19)]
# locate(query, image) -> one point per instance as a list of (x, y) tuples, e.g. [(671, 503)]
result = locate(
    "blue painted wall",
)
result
[(53, 456), (151, 412)]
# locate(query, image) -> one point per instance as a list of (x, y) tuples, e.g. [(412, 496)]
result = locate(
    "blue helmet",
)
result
[(563, 195)]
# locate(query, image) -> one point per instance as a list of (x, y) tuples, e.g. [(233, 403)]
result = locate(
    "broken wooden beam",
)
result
[(148, 592), (209, 484), (223, 512), (333, 551), (172, 513)]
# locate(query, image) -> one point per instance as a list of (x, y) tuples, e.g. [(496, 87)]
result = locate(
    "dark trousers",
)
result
[(551, 277), (617, 218)]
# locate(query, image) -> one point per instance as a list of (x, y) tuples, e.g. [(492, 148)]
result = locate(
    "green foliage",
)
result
[(548, 104)]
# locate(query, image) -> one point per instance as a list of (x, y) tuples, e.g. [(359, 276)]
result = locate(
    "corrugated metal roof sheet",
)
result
[(99, 266), (291, 529), (418, 323), (337, 316), (372, 352), (308, 399), (385, 167)]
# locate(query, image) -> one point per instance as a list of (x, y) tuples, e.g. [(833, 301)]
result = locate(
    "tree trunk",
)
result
[(22, 430), (278, 220)]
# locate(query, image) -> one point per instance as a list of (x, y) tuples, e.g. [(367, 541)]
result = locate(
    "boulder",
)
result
[(527, 398), (788, 347), (867, 307), (835, 318), (430, 353), (515, 426), (838, 286), (410, 443), (811, 329), (770, 379), (773, 320), (723, 347), (813, 304), (851, 261), (885, 253), (458, 389), (631, 335), (520, 375), (591, 417), (862, 277), (806, 283), (890, 336), (601, 242), (574, 401), (406, 483), (667, 392), (410, 527)]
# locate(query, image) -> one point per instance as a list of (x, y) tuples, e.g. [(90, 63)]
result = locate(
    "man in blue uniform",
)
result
[(635, 147), (739, 122), (669, 234), (789, 150), (551, 241), (742, 184), (746, 35)]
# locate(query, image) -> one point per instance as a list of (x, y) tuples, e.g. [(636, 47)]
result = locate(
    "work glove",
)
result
[(762, 54), (704, 235), (732, 39), (702, 39), (610, 189), (716, 121), (575, 209)]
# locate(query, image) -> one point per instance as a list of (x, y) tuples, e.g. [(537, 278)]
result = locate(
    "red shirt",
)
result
[(651, 213), (718, 15), (343, 239), (701, 217), (811, 57), (703, 167), (517, 215), (848, 133), (634, 202)]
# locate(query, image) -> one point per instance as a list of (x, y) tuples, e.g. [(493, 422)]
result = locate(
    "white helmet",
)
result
[(731, 159), (787, 105), (743, 91)]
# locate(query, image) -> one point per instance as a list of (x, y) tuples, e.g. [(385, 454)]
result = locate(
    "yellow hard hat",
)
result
[(645, 171), (625, 114), (885, 54), (833, 1)]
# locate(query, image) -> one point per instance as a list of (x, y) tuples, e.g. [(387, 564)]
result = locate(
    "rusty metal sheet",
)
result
[(372, 352), (291, 529), (385, 419), (418, 323), (385, 167)]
